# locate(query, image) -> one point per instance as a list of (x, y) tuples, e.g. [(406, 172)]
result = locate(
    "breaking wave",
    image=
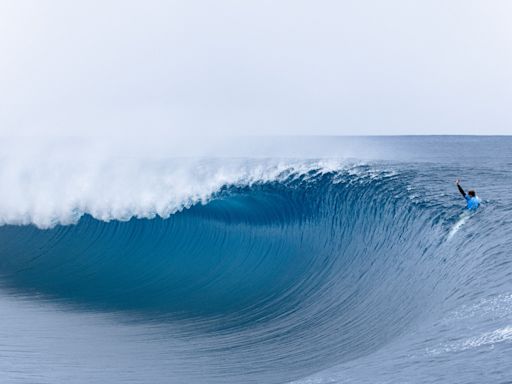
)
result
[(292, 270)]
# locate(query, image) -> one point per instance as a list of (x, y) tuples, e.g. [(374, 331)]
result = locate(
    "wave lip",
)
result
[(50, 191)]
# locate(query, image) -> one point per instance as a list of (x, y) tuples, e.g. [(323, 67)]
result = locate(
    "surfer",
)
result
[(472, 200)]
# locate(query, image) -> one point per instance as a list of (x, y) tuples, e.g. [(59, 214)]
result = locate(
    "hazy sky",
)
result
[(255, 67)]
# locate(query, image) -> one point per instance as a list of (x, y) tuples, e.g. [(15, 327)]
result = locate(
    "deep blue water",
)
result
[(369, 272)]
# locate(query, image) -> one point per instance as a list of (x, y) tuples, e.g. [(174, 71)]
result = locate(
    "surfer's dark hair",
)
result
[(471, 193)]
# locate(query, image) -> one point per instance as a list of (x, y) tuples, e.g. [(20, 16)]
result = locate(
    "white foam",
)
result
[(57, 184), (499, 306), (463, 218), (485, 339)]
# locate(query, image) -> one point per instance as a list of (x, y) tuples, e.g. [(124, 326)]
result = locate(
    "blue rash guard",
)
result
[(471, 202)]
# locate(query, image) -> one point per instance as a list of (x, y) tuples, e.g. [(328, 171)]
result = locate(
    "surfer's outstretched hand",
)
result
[(457, 181)]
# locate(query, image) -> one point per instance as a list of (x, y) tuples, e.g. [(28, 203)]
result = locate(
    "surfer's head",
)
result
[(472, 193)]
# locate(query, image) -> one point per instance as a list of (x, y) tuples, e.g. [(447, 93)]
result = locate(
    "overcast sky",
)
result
[(255, 67)]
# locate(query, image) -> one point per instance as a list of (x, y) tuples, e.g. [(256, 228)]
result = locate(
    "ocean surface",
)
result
[(353, 264)]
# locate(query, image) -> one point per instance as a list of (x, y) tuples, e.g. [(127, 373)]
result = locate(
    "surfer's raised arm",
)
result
[(460, 188)]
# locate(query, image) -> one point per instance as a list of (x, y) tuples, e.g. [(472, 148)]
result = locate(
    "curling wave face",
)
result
[(305, 270)]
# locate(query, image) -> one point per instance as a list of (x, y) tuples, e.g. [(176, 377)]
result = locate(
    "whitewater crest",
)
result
[(57, 190)]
